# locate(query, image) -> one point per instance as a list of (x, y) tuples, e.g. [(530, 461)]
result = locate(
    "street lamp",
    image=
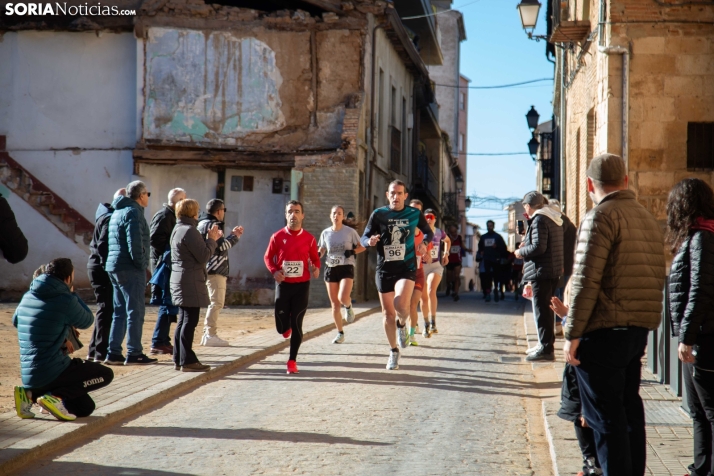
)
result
[(529, 10), (533, 147), (467, 203), (532, 118)]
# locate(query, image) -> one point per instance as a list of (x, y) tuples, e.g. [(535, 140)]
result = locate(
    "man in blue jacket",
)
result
[(127, 262), (47, 313)]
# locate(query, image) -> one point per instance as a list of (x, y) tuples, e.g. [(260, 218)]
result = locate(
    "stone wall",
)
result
[(671, 83)]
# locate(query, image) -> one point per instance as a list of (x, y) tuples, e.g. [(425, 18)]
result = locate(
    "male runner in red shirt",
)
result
[(292, 259)]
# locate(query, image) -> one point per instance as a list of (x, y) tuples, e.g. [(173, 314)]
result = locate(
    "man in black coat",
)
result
[(542, 250), (13, 244), (162, 225), (491, 250), (570, 235), (101, 284)]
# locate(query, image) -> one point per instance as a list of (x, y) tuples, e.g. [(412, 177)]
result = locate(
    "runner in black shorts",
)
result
[(391, 230), (340, 243), (292, 259)]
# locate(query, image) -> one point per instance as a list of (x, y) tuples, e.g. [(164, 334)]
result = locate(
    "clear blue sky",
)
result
[(497, 51)]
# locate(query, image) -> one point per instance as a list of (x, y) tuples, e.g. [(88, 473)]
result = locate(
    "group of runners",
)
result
[(411, 257)]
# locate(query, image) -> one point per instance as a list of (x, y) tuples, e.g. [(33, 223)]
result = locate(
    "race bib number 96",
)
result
[(293, 269), (394, 252)]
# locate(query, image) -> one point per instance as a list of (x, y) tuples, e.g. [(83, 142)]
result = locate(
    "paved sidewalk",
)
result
[(22, 441), (462, 403), (669, 428)]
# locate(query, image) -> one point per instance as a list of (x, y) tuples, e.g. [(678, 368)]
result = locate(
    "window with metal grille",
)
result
[(396, 149), (700, 145)]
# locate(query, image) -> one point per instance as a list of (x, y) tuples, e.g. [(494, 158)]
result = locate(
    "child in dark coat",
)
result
[(570, 408)]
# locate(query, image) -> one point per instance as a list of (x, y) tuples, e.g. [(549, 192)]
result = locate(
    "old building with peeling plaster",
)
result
[(325, 103)]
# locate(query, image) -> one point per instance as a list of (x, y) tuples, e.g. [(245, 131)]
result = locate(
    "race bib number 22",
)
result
[(293, 269)]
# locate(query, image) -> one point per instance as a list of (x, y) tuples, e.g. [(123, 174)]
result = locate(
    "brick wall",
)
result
[(323, 187)]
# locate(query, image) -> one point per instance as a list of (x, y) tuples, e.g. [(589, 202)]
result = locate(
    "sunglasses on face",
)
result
[(148, 194), (430, 217)]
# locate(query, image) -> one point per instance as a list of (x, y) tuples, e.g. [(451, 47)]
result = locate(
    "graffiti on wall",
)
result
[(209, 87)]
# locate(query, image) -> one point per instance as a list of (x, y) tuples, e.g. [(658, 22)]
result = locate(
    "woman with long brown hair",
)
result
[(690, 235)]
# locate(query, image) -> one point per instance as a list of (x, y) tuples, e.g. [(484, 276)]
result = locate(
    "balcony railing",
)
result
[(425, 177), (564, 29), (450, 206)]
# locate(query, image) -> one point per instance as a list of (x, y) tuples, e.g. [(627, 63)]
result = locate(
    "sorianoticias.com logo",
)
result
[(57, 8)]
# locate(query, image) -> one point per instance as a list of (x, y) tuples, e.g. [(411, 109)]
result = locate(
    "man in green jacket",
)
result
[(47, 313)]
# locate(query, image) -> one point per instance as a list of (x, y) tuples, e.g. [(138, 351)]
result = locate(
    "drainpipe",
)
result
[(621, 50), (563, 126), (372, 156), (625, 52)]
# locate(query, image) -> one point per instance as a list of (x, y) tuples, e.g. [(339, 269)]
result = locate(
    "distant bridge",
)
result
[(490, 202)]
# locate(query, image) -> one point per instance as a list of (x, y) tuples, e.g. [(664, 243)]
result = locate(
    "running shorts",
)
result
[(335, 274), (452, 266), (434, 267), (387, 281), (420, 280)]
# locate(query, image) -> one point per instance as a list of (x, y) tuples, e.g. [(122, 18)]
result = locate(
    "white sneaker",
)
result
[(533, 350), (393, 363), (402, 336), (214, 341), (350, 315), (203, 338), (339, 338)]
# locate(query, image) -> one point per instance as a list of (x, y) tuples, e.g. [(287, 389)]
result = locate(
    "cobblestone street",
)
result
[(459, 404)]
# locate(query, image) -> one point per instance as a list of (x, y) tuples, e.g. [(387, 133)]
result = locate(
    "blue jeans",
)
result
[(162, 330), (129, 309)]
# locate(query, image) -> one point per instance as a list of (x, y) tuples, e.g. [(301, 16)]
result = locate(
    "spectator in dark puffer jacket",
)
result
[(690, 234), (44, 317), (127, 261), (13, 244), (101, 283), (162, 225), (542, 250)]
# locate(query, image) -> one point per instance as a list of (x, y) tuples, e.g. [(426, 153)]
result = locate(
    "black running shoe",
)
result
[(140, 359), (113, 359), (541, 355)]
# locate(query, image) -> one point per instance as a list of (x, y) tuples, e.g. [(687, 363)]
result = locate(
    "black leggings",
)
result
[(183, 337), (74, 384), (290, 307), (104, 292)]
